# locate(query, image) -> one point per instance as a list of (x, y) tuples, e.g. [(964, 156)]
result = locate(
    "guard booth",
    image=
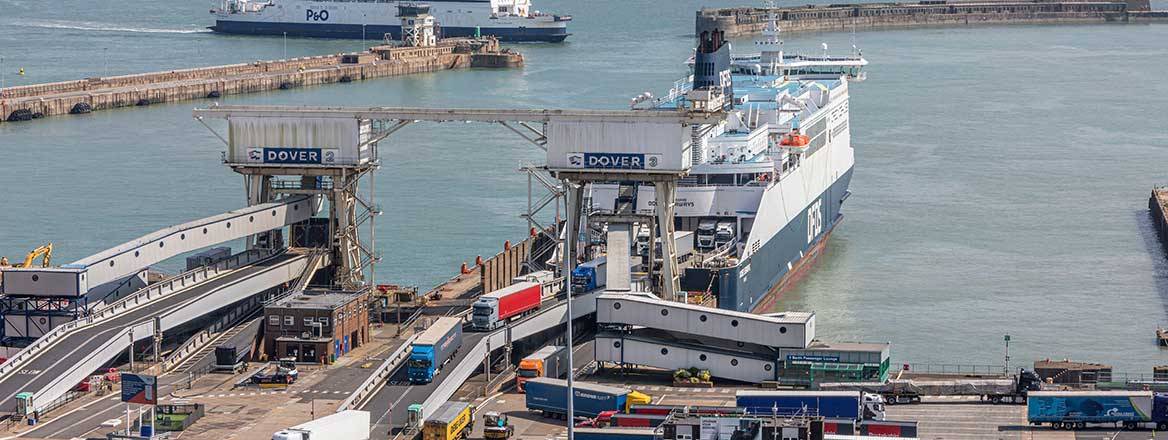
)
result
[(24, 406)]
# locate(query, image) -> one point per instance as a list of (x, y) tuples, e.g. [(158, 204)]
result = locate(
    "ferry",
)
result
[(767, 185), (507, 20)]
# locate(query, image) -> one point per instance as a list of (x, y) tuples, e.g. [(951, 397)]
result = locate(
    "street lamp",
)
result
[(1006, 365), (285, 45)]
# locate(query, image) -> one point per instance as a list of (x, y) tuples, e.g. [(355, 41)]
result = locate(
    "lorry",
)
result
[(550, 397), (683, 242), (854, 405), (344, 425), (282, 373), (1013, 389), (546, 278), (724, 233), (496, 308), (550, 361), (496, 426), (452, 420), (1077, 409), (705, 234), (589, 276), (433, 348)]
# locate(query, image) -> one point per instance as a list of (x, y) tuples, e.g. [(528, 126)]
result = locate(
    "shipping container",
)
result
[(628, 146), (615, 434), (433, 348), (345, 425), (550, 396), (494, 309), (786, 330), (550, 361), (1077, 409), (452, 420)]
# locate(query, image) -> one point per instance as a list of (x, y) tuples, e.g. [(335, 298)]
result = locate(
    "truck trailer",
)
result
[(1077, 409), (550, 397), (494, 309), (550, 361), (433, 348), (452, 420), (589, 276), (854, 405), (345, 425), (1011, 389)]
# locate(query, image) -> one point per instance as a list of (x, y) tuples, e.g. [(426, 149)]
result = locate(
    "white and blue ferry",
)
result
[(508, 20), (767, 184)]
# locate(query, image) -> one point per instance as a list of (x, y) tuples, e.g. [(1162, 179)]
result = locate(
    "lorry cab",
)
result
[(642, 243), (724, 234), (420, 367), (705, 233), (484, 313), (873, 406)]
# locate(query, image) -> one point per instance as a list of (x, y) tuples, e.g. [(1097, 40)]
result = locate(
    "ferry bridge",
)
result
[(285, 190)]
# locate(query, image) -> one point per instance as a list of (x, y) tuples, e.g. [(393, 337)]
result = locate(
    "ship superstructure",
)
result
[(508, 20), (767, 184)]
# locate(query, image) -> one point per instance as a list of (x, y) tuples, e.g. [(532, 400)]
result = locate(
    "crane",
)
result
[(44, 252)]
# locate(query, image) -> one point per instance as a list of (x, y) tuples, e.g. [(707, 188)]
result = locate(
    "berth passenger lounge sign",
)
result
[(615, 161)]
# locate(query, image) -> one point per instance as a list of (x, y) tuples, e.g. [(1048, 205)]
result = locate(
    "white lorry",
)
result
[(345, 425)]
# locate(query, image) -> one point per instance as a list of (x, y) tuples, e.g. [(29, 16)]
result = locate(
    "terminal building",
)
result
[(316, 325)]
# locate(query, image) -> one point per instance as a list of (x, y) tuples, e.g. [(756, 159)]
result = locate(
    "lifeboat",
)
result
[(794, 139)]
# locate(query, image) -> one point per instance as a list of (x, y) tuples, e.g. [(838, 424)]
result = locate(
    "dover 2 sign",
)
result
[(615, 161), (279, 155), (139, 388)]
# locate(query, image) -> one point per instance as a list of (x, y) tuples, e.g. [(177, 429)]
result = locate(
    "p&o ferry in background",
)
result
[(507, 20), (766, 185)]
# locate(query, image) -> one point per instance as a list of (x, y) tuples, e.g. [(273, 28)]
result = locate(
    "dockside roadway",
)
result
[(57, 368)]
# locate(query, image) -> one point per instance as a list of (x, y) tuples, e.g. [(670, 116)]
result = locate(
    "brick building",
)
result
[(316, 325)]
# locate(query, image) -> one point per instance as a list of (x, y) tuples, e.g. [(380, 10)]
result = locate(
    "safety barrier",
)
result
[(142, 297), (380, 375)]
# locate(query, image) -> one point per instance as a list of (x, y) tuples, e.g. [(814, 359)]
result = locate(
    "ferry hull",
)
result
[(779, 261), (374, 32)]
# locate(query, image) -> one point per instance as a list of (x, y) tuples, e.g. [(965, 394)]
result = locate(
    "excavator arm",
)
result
[(44, 252)]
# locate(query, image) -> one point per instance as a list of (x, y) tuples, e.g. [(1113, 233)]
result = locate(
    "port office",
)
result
[(433, 348), (316, 325)]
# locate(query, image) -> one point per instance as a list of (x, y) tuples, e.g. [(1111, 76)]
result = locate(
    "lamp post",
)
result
[(1, 76), (1006, 365), (285, 45)]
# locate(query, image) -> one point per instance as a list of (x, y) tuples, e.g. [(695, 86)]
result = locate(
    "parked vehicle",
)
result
[(997, 390), (705, 234), (452, 420), (683, 243), (345, 425), (1077, 409), (494, 309), (724, 234), (496, 426), (589, 276), (283, 373), (550, 361), (433, 348), (550, 397), (854, 405)]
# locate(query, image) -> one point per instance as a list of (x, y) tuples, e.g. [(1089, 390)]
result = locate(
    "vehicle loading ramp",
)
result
[(55, 369)]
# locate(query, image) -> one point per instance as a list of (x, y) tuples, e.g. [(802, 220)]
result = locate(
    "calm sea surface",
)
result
[(1001, 180)]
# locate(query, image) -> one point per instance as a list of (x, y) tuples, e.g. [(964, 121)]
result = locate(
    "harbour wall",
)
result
[(743, 21), (1158, 208), (61, 98)]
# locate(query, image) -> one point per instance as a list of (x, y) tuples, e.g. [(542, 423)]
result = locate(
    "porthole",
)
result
[(782, 329), (136, 254), (182, 236), (616, 306), (204, 230), (734, 362), (664, 312), (273, 213), (228, 225), (734, 323), (702, 318), (111, 263), (664, 351), (741, 344), (296, 207), (767, 367), (702, 358), (161, 243), (616, 344), (36, 278), (251, 219)]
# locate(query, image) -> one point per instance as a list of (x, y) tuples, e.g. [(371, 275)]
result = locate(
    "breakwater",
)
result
[(744, 21), (1158, 208), (90, 94)]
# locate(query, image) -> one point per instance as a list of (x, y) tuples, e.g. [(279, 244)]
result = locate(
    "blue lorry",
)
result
[(1077, 409), (433, 348), (853, 405), (550, 397), (589, 276)]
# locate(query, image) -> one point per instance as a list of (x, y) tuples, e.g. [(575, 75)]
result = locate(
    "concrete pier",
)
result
[(745, 21), (1158, 208), (90, 94)]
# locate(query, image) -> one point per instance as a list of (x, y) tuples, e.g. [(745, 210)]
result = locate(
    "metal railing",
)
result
[(142, 297), (930, 368), (380, 375)]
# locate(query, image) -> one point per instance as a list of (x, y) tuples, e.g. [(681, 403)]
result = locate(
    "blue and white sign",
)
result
[(294, 156), (812, 358), (614, 161)]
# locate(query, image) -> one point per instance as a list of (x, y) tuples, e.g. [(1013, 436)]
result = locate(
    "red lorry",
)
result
[(494, 309)]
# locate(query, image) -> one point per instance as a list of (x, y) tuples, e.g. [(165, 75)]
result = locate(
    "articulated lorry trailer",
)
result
[(494, 309), (550, 361), (854, 405), (550, 397), (433, 348), (345, 425), (1013, 389), (1077, 409)]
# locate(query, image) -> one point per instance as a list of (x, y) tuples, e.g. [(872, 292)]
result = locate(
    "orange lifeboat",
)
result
[(795, 139)]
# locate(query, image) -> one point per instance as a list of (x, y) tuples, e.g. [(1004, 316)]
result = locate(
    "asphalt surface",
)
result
[(50, 363)]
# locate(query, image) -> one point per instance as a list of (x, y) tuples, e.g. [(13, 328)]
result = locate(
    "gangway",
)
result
[(60, 360), (778, 330), (741, 362)]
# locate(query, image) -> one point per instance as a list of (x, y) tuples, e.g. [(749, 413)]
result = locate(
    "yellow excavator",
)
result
[(45, 253)]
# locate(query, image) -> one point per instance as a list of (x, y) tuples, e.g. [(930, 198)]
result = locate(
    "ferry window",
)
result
[(323, 320), (274, 320), (289, 320), (721, 179), (308, 321)]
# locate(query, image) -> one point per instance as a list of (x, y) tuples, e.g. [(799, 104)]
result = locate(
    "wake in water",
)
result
[(93, 26)]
